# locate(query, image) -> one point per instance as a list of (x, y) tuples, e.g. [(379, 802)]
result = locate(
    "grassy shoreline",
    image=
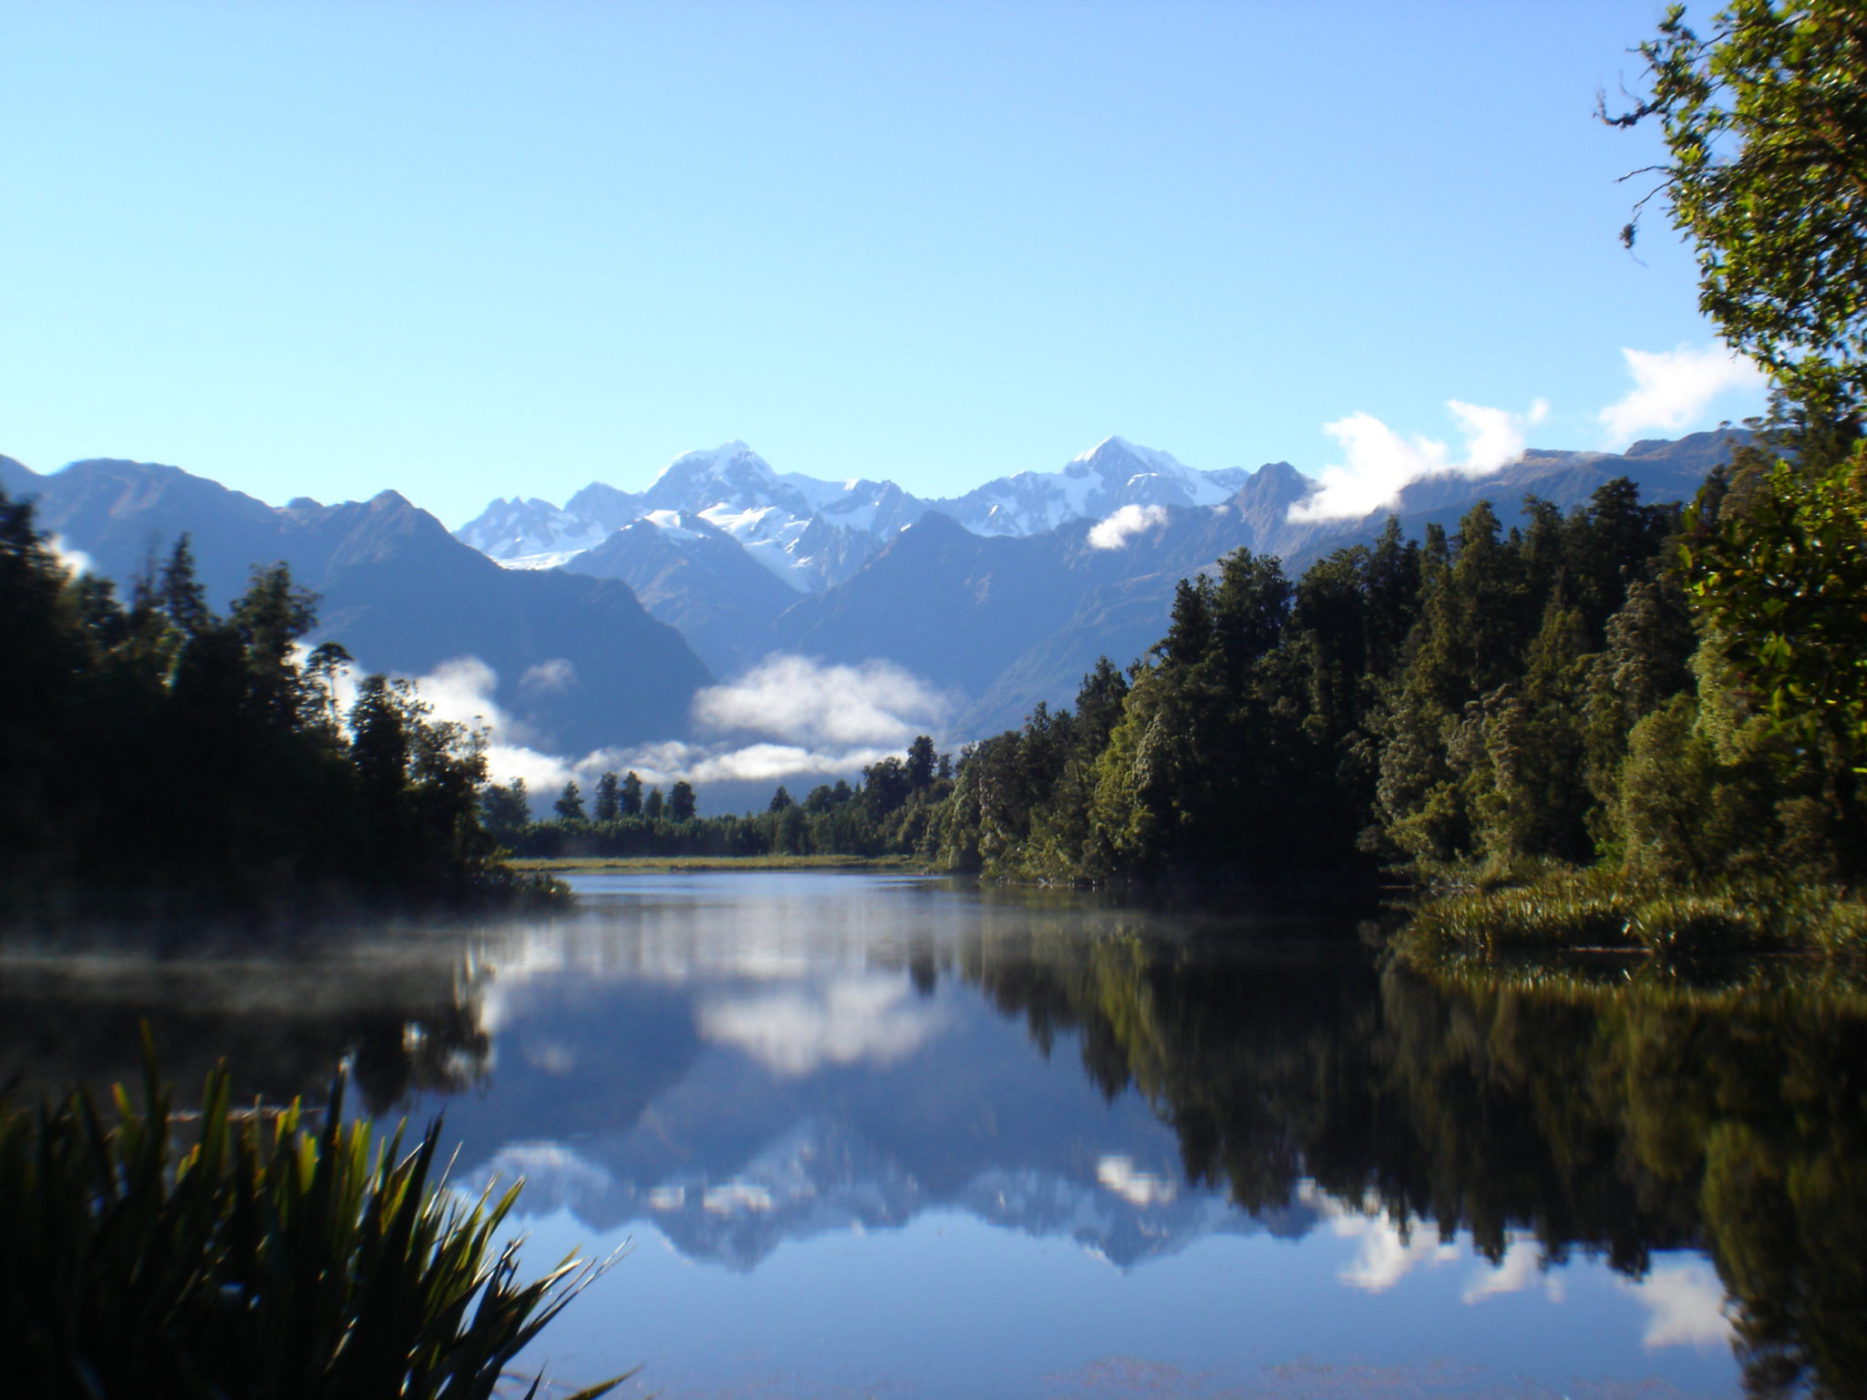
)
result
[(661, 865), (1593, 912)]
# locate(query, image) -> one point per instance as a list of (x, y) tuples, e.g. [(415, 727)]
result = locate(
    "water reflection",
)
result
[(405, 1016), (764, 1071)]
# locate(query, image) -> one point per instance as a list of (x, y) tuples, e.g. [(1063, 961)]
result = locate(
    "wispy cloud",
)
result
[(1519, 1269), (810, 704), (1384, 1252), (1685, 1304), (790, 719), (1124, 525), (1674, 388), (866, 1018), (75, 561), (1137, 1187), (1379, 463)]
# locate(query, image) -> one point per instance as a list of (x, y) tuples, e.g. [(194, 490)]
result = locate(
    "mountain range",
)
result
[(578, 663), (602, 618), (1004, 596)]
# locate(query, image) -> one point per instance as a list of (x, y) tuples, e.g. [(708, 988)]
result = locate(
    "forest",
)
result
[(163, 760), (1593, 692)]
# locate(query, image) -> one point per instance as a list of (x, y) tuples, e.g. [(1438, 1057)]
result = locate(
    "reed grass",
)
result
[(246, 1253), (1596, 911)]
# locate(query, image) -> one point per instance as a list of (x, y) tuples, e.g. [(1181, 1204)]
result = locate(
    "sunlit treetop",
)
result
[(1765, 123)]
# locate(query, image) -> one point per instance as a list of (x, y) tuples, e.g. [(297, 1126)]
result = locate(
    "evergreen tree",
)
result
[(920, 764), (569, 805), (183, 599), (608, 798)]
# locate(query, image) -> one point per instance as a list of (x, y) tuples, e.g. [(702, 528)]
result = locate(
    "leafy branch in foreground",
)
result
[(262, 1259)]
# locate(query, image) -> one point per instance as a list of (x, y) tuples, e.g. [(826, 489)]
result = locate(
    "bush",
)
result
[(263, 1259)]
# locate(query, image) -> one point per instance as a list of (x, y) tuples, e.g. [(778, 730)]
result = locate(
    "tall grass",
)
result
[(1593, 910), (247, 1254)]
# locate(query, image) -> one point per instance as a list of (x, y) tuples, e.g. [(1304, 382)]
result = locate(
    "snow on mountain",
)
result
[(814, 534), (1112, 474), (529, 534)]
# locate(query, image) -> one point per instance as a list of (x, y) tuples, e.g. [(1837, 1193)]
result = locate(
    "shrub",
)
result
[(261, 1259)]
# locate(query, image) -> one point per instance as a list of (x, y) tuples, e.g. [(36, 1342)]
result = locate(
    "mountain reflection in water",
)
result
[(770, 1071)]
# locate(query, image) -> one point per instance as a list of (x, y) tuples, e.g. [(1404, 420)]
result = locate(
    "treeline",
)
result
[(1488, 701), (162, 758), (1587, 689), (890, 811)]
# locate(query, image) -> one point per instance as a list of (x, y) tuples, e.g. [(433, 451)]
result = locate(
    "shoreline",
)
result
[(661, 865)]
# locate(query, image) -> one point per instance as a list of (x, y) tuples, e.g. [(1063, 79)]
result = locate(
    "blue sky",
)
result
[(472, 249)]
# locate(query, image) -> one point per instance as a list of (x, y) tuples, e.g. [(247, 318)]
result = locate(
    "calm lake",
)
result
[(884, 1136)]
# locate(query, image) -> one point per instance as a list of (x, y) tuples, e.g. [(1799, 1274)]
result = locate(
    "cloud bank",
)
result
[(1379, 462), (1672, 391), (800, 701), (1124, 525), (864, 1018), (789, 719), (74, 561), (1673, 388), (1685, 1306)]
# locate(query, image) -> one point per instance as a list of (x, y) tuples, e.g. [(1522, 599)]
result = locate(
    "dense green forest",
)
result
[(162, 759), (1486, 704)]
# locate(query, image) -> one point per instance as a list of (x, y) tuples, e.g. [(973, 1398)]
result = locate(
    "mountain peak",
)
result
[(729, 459)]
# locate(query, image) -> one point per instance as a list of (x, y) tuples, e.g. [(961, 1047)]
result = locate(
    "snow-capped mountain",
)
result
[(814, 534), (819, 1175), (807, 532), (530, 534), (1112, 474)]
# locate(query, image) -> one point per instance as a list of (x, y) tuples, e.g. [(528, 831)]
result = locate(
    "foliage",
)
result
[(1784, 588), (161, 759), (1493, 704), (264, 1258), (1765, 124)]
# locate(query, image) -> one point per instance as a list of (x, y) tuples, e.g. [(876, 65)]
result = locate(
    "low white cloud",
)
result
[(1673, 388), (74, 561), (735, 1197), (1384, 1252), (1378, 462), (550, 677), (1137, 1187), (819, 723), (1385, 1255), (864, 1018), (1124, 525), (1520, 1268), (461, 692), (1685, 1305), (555, 1174), (813, 705)]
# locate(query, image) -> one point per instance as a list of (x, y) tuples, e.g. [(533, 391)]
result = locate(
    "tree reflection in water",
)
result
[(402, 1024), (1615, 1117)]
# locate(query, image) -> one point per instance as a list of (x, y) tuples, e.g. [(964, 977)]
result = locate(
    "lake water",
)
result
[(880, 1136)]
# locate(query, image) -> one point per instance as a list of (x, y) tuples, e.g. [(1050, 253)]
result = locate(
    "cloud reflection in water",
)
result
[(855, 1018)]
